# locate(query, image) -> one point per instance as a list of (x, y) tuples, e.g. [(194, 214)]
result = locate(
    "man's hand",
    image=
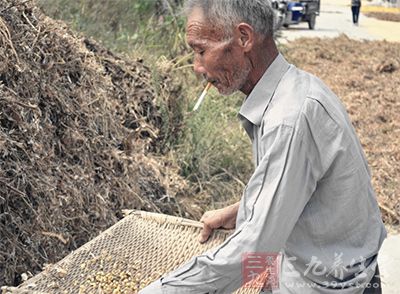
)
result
[(224, 218)]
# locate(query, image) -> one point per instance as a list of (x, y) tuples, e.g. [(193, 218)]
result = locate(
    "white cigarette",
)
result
[(202, 96)]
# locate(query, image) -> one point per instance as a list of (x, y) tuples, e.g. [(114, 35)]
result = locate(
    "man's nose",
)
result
[(198, 67)]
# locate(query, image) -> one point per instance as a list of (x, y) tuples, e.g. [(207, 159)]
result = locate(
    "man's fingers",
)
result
[(211, 220), (205, 216), (207, 229), (205, 233)]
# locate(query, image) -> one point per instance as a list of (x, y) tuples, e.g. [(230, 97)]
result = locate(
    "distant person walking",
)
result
[(355, 9)]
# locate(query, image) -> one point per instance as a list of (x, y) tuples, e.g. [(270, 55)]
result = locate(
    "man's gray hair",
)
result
[(229, 13)]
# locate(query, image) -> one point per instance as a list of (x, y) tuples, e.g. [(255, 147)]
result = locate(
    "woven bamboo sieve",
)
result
[(128, 256)]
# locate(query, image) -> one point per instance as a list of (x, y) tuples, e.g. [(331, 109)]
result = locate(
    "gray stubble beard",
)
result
[(239, 80)]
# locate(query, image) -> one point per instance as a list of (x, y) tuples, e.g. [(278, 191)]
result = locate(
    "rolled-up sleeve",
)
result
[(275, 197)]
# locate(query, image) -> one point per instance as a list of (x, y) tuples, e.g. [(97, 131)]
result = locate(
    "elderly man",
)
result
[(310, 197)]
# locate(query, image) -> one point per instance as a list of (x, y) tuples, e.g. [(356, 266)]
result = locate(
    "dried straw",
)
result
[(80, 131)]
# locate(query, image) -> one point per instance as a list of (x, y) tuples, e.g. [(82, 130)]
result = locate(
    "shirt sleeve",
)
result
[(274, 199)]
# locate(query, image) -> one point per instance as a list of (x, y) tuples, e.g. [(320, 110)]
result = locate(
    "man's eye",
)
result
[(201, 52)]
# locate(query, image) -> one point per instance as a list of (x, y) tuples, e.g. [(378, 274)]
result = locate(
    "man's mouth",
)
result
[(214, 82)]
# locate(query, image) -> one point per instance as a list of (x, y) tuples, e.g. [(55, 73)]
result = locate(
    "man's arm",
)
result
[(274, 199)]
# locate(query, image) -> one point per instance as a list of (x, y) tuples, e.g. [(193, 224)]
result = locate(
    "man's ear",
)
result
[(245, 35)]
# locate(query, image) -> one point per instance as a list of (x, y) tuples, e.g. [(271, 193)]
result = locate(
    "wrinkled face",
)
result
[(222, 62)]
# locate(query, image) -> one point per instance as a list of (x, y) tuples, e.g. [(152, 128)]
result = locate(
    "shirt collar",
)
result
[(255, 104)]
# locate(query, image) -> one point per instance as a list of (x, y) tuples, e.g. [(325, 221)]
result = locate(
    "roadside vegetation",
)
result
[(382, 12)]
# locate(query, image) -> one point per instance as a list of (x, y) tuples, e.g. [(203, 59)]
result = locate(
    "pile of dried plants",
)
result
[(80, 138), (387, 16)]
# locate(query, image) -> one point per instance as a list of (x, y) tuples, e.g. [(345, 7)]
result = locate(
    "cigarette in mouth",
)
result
[(202, 96)]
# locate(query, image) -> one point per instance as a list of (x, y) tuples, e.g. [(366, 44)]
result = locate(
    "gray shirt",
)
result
[(310, 197)]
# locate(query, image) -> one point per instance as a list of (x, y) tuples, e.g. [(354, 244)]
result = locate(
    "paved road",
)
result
[(335, 19), (389, 265)]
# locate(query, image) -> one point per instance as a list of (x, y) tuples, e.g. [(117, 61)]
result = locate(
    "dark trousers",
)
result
[(356, 12), (375, 284)]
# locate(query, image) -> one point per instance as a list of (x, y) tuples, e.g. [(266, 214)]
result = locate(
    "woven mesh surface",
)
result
[(128, 256)]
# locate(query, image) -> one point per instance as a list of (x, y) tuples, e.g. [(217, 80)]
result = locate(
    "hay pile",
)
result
[(387, 16), (366, 76), (79, 132)]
